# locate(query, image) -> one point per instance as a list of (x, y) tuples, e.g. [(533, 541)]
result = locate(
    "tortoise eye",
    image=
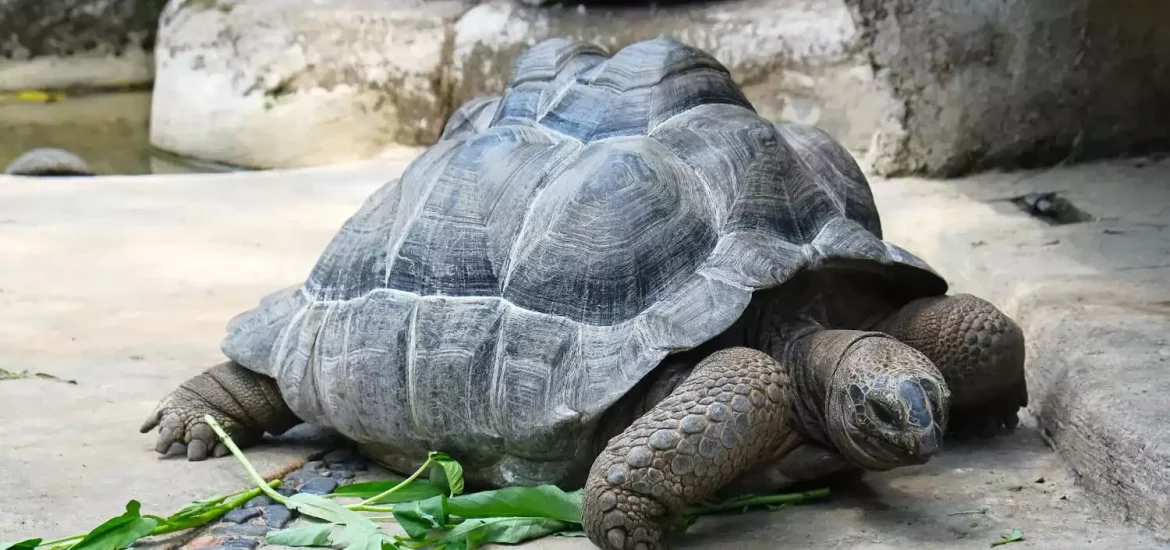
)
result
[(883, 412)]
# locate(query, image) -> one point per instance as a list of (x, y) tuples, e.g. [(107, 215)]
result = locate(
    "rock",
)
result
[(277, 516), (319, 486), (234, 531), (54, 44), (796, 61), (48, 161), (977, 85), (340, 456), (261, 500), (354, 76), (241, 515), (249, 544), (292, 83)]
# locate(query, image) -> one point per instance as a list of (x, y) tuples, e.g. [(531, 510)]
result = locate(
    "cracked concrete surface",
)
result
[(124, 284)]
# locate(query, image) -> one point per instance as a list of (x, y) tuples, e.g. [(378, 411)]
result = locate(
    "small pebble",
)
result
[(243, 530), (277, 516), (262, 500), (340, 456), (319, 486), (342, 476), (241, 515), (241, 543)]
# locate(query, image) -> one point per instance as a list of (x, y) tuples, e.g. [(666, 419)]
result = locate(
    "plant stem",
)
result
[(61, 540), (231, 445), (395, 488), (363, 508), (784, 498)]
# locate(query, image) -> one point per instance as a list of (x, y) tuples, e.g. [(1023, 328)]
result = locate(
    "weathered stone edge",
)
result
[(1114, 458)]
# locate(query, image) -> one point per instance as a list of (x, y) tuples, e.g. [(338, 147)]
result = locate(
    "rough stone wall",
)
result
[(355, 76), (72, 43), (1009, 83)]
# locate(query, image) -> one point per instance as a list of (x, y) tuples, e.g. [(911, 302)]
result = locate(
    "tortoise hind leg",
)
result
[(980, 352), (730, 413), (245, 403)]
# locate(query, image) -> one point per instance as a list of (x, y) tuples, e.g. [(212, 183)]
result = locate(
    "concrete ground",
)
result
[(123, 285)]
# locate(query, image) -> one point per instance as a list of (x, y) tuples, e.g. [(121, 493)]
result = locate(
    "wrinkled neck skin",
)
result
[(789, 323)]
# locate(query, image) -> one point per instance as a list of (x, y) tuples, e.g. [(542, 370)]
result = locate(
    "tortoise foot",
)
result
[(244, 403)]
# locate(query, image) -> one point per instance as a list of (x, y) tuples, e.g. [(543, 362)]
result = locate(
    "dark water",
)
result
[(110, 131)]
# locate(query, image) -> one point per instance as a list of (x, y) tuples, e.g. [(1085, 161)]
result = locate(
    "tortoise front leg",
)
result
[(978, 349), (729, 414), (245, 403)]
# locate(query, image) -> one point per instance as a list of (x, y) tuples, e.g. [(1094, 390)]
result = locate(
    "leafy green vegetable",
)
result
[(547, 501), (119, 532), (419, 517), (365, 537), (1014, 536), (28, 544), (415, 490), (474, 533), (446, 472), (316, 534), (322, 508)]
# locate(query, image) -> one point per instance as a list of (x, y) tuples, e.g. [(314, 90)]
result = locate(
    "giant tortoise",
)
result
[(616, 275)]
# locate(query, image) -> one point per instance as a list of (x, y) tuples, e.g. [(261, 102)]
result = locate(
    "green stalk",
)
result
[(395, 488), (784, 498), (231, 445), (362, 508), (61, 540)]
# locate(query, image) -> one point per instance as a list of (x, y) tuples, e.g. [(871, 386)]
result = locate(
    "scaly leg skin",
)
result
[(728, 415), (980, 352), (245, 403)]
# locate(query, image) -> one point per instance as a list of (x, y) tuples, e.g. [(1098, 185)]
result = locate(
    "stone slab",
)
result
[(1092, 298), (124, 285)]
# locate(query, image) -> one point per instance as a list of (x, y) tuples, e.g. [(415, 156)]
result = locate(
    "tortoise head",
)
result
[(886, 405)]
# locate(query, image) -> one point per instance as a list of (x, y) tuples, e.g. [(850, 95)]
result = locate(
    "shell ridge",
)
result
[(411, 366)]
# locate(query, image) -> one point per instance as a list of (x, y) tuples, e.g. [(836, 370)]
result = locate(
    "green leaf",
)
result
[(361, 536), (474, 533), (571, 533), (28, 544), (542, 501), (322, 508), (120, 532), (419, 517), (309, 535), (415, 490), (446, 473), (1014, 536)]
